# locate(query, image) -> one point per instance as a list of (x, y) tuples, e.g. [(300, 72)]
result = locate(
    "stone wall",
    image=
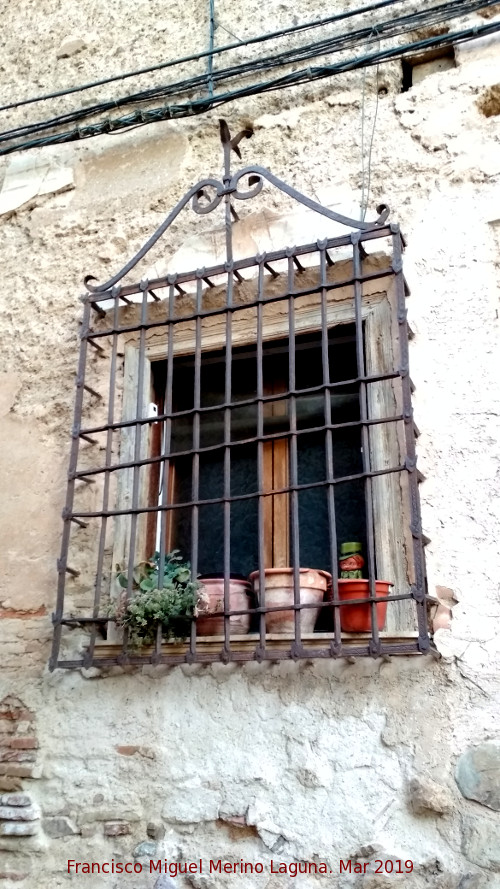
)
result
[(290, 762)]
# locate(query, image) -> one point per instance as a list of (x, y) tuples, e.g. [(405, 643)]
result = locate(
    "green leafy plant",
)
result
[(170, 598)]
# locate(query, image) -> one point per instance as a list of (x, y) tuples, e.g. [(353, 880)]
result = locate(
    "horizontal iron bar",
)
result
[(267, 654), (238, 497), (272, 436), (303, 606), (246, 402), (236, 307), (215, 271)]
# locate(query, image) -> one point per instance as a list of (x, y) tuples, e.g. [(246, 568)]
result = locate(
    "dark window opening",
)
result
[(417, 68), (311, 457)]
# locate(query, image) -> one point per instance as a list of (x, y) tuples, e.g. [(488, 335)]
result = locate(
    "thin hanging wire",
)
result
[(210, 61), (366, 173)]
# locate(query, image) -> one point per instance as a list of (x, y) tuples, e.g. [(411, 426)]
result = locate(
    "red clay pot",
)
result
[(358, 618)]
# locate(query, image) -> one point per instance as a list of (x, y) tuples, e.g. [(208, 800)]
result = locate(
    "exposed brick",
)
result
[(7, 727), (18, 828), (18, 813), (10, 784), (15, 799), (13, 614), (24, 743), (18, 715), (13, 769), (126, 750), (17, 756), (116, 828)]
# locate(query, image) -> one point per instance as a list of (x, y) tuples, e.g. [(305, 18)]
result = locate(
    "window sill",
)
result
[(210, 649)]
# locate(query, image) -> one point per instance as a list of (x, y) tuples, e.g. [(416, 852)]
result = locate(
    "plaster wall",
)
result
[(289, 762)]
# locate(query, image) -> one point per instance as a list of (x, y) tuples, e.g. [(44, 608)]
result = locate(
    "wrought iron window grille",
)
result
[(270, 395)]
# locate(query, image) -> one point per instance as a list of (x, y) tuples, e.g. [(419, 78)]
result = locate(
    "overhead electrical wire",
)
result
[(261, 38), (393, 27), (200, 105), (389, 28)]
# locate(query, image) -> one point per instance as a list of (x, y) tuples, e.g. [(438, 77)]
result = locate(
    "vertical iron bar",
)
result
[(195, 476), (227, 397), (227, 464), (165, 449), (260, 456), (365, 436), (420, 592), (70, 492), (137, 449), (105, 493), (332, 526), (297, 644)]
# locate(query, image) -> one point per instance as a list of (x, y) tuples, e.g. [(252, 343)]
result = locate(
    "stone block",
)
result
[(145, 850), (481, 841), (17, 828), (18, 813), (108, 815), (116, 829), (427, 796), (165, 882), (70, 47), (58, 827), (155, 831), (15, 799), (478, 774)]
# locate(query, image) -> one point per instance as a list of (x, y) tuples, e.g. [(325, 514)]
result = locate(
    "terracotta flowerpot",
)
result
[(358, 618), (213, 590), (279, 591)]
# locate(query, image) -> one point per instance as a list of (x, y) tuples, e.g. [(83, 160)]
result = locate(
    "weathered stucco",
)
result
[(289, 762)]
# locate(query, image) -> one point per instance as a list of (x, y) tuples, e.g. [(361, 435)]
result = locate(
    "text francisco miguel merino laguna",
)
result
[(218, 866)]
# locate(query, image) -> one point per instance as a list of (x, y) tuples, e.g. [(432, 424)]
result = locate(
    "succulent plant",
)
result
[(170, 598)]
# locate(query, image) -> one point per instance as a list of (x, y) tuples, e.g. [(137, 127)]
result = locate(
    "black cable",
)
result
[(200, 106), (389, 28), (315, 23)]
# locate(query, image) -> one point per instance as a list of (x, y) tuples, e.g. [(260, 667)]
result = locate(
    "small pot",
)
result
[(358, 618), (213, 590), (279, 592)]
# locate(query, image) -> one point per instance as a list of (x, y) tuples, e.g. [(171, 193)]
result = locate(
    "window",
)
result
[(257, 416)]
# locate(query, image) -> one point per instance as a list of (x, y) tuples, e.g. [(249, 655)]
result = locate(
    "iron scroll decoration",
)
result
[(207, 194)]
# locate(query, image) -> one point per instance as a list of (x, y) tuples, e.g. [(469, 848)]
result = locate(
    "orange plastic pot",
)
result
[(358, 618)]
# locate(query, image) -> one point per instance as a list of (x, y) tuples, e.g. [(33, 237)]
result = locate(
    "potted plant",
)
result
[(358, 618), (212, 590), (352, 585), (279, 591), (171, 600)]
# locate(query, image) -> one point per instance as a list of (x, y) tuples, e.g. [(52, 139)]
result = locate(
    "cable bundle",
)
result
[(185, 93)]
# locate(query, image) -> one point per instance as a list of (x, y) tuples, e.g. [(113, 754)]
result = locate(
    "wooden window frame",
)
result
[(390, 492)]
